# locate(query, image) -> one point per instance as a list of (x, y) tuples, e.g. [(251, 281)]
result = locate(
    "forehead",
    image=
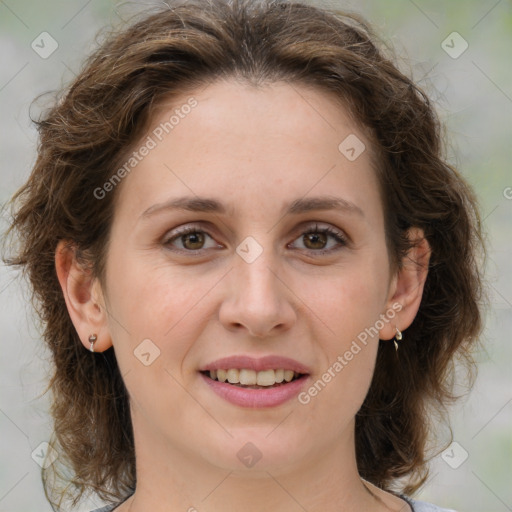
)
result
[(279, 140)]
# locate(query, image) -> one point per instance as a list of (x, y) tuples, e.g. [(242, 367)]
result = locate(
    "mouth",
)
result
[(250, 382), (251, 379)]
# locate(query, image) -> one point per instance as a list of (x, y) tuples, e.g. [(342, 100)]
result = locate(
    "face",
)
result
[(262, 272)]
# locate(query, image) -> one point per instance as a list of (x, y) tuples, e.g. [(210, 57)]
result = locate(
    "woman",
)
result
[(253, 266)]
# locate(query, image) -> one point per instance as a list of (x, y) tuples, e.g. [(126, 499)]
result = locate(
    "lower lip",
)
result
[(256, 398)]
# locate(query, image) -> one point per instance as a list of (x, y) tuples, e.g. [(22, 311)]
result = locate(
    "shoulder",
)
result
[(423, 506)]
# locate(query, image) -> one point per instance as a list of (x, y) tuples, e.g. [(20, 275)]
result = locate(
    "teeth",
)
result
[(247, 377), (288, 375), (266, 378), (233, 376)]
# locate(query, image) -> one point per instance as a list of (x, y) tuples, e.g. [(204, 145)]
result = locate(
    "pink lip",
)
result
[(270, 362), (256, 398)]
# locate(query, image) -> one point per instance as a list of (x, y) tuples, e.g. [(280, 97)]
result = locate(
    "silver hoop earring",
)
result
[(92, 339), (398, 337)]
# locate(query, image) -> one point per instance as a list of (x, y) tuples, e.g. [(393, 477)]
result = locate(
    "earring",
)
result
[(92, 339), (398, 337)]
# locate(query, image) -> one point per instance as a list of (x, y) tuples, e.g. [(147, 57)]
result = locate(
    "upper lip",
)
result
[(271, 362)]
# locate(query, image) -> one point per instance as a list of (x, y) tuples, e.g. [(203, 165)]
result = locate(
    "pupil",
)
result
[(314, 237), (197, 236)]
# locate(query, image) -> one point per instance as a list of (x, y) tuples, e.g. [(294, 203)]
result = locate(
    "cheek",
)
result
[(352, 299), (349, 356), (155, 303), (350, 307)]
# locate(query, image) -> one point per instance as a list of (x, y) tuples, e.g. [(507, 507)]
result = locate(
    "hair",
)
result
[(86, 134)]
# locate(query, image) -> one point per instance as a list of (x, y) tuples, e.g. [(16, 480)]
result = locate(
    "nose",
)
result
[(258, 299)]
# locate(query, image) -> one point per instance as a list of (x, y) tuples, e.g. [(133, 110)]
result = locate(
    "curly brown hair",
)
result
[(106, 110)]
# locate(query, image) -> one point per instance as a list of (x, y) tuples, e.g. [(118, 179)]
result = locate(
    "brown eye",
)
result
[(193, 240), (189, 239), (316, 239)]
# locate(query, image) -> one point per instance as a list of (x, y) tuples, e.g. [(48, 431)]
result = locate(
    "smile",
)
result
[(255, 396), (253, 379)]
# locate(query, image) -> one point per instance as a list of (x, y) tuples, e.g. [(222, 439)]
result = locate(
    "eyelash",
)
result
[(338, 236)]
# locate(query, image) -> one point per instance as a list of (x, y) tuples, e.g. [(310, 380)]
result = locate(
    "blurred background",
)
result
[(459, 51)]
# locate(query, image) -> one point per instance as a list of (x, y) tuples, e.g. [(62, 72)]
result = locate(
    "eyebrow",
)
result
[(211, 205)]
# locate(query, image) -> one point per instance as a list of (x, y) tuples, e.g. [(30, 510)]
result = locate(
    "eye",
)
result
[(191, 238), (316, 239)]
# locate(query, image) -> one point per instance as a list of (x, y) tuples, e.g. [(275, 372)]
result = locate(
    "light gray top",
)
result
[(417, 506)]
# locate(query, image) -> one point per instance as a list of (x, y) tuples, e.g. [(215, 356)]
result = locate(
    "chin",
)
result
[(256, 451)]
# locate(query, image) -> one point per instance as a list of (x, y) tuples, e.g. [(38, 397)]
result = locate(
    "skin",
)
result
[(255, 150)]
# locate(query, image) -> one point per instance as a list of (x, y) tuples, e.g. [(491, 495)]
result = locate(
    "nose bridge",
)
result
[(259, 299), (255, 273)]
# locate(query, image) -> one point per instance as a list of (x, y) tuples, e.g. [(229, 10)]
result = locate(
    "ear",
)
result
[(83, 296), (406, 287)]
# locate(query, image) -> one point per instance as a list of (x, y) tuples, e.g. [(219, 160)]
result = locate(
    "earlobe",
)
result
[(83, 297), (408, 284)]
